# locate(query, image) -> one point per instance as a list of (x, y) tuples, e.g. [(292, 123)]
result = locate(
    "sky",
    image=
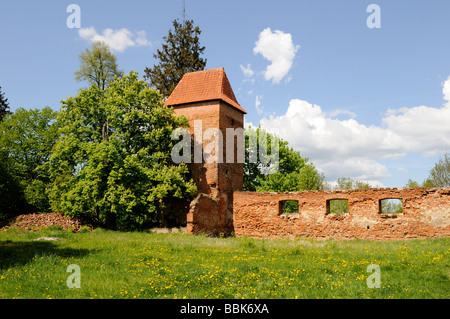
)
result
[(361, 88)]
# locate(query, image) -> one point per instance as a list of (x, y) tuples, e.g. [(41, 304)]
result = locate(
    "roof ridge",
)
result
[(212, 84), (206, 70), (222, 75)]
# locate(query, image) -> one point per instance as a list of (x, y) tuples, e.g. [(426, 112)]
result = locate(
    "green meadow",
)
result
[(175, 266)]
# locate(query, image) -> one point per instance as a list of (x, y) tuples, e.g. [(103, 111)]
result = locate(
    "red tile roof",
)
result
[(204, 86)]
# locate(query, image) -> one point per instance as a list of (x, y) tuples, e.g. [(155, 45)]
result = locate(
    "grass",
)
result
[(149, 265)]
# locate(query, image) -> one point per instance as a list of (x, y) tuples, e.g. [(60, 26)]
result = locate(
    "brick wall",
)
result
[(426, 213)]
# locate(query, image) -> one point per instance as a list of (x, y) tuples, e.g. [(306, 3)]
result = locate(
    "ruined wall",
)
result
[(426, 213)]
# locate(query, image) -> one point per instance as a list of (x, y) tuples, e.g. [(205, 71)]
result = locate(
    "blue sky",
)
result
[(367, 103)]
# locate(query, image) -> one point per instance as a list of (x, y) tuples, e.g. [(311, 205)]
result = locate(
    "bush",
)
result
[(12, 201), (84, 229), (36, 196)]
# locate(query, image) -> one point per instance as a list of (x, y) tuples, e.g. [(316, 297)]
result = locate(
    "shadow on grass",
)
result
[(14, 253)]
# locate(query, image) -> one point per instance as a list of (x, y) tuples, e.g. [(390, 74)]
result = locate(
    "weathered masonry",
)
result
[(207, 96), (222, 208), (425, 213)]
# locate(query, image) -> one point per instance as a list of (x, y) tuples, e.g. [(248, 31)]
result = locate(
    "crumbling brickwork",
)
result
[(426, 213), (206, 99), (212, 210)]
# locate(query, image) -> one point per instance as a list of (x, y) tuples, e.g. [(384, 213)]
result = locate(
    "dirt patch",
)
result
[(35, 222)]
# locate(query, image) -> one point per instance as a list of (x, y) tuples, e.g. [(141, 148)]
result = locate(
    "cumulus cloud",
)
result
[(117, 40), (277, 47), (338, 147), (347, 148), (345, 112), (421, 129), (247, 70)]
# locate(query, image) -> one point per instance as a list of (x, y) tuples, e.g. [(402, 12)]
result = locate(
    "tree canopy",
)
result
[(4, 105), (98, 66), (180, 53), (26, 141), (120, 174), (349, 183), (439, 175), (290, 172)]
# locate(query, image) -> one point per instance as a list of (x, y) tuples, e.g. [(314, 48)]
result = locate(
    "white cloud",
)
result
[(117, 40), (345, 112), (278, 48), (338, 147), (347, 148), (259, 110), (421, 129), (446, 91), (247, 70), (141, 39)]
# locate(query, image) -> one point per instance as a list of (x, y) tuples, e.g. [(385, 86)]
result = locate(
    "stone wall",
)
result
[(426, 213)]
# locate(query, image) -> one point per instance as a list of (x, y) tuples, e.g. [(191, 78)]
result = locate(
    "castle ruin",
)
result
[(221, 207)]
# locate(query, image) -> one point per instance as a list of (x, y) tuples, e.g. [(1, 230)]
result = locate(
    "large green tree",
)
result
[(12, 201), (26, 141), (120, 174), (180, 54), (98, 66), (286, 172), (4, 105)]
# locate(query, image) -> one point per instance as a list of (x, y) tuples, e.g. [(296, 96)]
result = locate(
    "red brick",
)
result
[(426, 213)]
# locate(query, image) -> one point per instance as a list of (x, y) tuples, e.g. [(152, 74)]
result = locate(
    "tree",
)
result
[(26, 141), (411, 184), (440, 173), (340, 207), (293, 173), (12, 197), (4, 105), (180, 54), (98, 66), (254, 168), (126, 179), (348, 183), (391, 206)]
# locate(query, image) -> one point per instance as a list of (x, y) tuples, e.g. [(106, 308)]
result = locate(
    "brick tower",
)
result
[(207, 100)]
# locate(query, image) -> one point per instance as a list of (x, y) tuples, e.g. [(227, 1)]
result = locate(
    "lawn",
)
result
[(150, 265)]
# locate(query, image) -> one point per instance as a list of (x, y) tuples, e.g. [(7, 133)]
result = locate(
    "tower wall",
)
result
[(212, 211)]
